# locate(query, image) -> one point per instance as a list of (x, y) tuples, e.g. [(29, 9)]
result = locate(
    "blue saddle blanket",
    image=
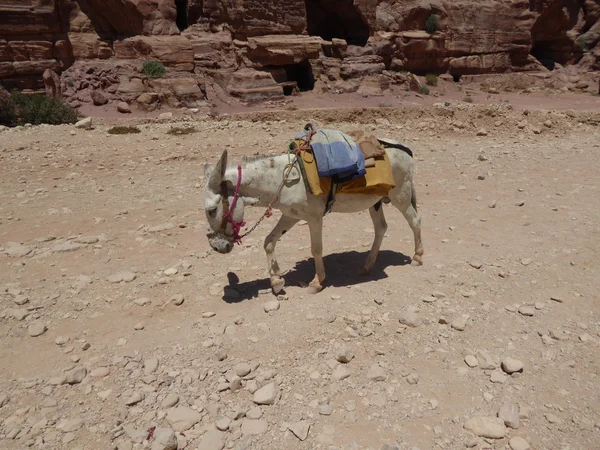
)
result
[(337, 155)]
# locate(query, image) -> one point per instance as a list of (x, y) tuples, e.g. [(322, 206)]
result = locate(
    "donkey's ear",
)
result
[(217, 175)]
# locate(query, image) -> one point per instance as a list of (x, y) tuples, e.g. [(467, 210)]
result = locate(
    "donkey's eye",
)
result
[(212, 212)]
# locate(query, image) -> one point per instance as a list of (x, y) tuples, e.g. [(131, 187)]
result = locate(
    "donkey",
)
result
[(266, 182)]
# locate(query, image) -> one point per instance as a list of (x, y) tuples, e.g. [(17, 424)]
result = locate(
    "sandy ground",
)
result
[(114, 320)]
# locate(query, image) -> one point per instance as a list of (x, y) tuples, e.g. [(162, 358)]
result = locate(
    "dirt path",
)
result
[(101, 236)]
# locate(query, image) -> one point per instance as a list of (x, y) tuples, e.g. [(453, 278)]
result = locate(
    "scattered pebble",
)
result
[(510, 365), (300, 429), (486, 427), (36, 329), (266, 395), (518, 443), (272, 305), (410, 318)]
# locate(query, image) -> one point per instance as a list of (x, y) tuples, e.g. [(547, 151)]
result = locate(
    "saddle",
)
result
[(377, 180)]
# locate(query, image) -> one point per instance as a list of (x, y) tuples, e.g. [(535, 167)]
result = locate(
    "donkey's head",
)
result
[(218, 202)]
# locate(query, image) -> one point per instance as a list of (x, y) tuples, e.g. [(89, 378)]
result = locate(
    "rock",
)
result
[(344, 355), (486, 362), (164, 439), (70, 425), (36, 329), (300, 429), (518, 443), (98, 99), (325, 410), (509, 413), (526, 310), (165, 116), (100, 372), (212, 440), (123, 108), (266, 395), (413, 378), (252, 427), (183, 418), (138, 326), (84, 124), (223, 424), (242, 369), (4, 399), (340, 373), (169, 401), (471, 361), (410, 318), (150, 366), (177, 299), (18, 250), (482, 132), (272, 305), (171, 271), (510, 365), (551, 418), (135, 398), (486, 427), (67, 247), (497, 377), (254, 413), (76, 375), (376, 373), (460, 323)]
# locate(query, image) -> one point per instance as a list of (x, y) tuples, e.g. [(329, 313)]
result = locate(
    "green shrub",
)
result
[(431, 24), (424, 90), (431, 79), (124, 130), (36, 109), (179, 131), (385, 105), (154, 69), (8, 112), (581, 43)]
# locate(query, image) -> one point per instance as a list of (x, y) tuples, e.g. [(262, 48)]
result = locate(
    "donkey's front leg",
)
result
[(316, 244), (282, 227)]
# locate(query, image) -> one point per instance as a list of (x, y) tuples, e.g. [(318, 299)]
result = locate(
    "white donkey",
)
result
[(260, 182)]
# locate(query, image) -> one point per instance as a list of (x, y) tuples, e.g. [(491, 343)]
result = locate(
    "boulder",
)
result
[(98, 98), (123, 108)]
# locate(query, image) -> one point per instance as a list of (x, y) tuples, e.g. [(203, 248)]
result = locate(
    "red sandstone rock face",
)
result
[(335, 45)]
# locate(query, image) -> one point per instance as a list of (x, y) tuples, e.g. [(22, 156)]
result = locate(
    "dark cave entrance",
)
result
[(337, 19), (544, 54), (301, 75), (550, 44), (182, 14)]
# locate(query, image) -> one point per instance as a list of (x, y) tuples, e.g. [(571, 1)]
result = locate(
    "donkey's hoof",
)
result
[(277, 284), (417, 261), (314, 288)]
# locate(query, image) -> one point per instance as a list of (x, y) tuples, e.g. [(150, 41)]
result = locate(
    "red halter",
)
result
[(227, 217)]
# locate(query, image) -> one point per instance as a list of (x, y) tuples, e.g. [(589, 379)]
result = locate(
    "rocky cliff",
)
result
[(257, 49)]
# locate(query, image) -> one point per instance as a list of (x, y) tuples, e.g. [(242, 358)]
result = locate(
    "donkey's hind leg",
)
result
[(380, 227), (282, 227), (408, 207)]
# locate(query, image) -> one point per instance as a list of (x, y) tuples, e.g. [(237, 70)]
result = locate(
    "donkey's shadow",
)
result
[(342, 270)]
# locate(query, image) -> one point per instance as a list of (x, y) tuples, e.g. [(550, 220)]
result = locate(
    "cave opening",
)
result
[(544, 54), (182, 14), (337, 19), (299, 75)]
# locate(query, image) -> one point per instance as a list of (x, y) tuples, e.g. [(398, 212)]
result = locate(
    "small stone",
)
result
[(171, 271), (509, 413), (212, 440), (254, 413), (340, 373), (510, 365), (123, 108), (266, 395), (497, 377), (344, 355), (169, 401), (121, 342), (150, 366), (272, 305), (486, 427), (492, 204), (551, 418), (208, 315), (76, 375), (61, 340), (4, 399), (135, 398), (300, 429), (325, 410), (376, 373), (142, 301), (471, 361), (413, 378), (476, 264), (183, 418), (486, 362), (223, 424), (100, 372), (164, 439), (482, 132), (410, 318), (165, 116), (460, 323), (526, 310), (242, 369), (252, 427), (138, 326), (36, 329), (177, 299), (518, 443), (557, 297), (84, 124)]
